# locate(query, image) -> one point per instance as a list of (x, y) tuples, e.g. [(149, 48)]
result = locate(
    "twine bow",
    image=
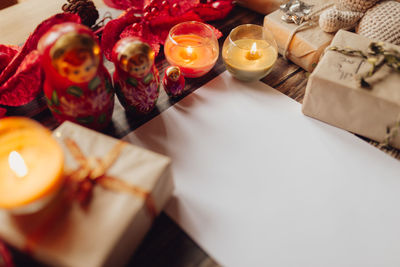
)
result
[(301, 14), (80, 184), (92, 171), (295, 11)]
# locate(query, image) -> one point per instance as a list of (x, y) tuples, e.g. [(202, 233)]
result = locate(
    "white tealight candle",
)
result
[(247, 57)]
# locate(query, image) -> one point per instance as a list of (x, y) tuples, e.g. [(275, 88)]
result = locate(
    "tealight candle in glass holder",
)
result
[(31, 165), (249, 52), (193, 47)]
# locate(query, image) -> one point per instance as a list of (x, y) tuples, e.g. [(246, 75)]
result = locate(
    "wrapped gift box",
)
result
[(262, 6), (306, 45), (107, 232), (333, 94)]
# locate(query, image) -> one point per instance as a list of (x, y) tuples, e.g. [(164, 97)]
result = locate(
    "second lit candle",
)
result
[(193, 47), (249, 53)]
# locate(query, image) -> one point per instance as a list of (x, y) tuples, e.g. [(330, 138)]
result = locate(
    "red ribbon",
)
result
[(79, 186), (5, 256)]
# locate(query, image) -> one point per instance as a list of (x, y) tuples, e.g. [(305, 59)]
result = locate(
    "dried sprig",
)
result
[(349, 52), (377, 57), (391, 133)]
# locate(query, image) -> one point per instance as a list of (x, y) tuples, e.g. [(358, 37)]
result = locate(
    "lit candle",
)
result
[(193, 47), (247, 53), (17, 164), (31, 165), (254, 53)]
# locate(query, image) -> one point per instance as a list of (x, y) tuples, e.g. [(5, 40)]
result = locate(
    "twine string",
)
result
[(90, 171), (308, 21)]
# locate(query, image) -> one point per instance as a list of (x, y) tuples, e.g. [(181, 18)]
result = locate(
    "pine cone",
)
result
[(84, 8)]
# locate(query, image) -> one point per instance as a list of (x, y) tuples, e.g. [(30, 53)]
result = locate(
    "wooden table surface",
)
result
[(166, 244)]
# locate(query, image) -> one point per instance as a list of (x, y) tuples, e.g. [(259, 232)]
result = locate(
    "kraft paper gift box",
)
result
[(107, 232), (262, 6), (333, 94), (307, 44)]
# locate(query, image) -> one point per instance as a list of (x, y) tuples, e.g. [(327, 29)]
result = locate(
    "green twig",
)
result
[(391, 134), (377, 56)]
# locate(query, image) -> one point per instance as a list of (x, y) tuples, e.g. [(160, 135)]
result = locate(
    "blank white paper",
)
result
[(260, 184)]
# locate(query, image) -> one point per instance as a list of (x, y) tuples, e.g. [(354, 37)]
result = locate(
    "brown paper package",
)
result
[(306, 46), (333, 95), (107, 233)]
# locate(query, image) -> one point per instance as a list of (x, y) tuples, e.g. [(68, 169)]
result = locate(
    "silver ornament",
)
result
[(295, 11)]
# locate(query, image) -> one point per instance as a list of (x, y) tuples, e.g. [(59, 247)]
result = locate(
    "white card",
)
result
[(260, 184)]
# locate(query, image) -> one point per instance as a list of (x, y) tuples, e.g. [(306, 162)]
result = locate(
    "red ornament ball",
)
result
[(136, 27), (164, 4), (147, 15)]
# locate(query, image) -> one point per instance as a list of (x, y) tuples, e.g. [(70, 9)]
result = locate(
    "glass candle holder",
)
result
[(193, 47), (249, 52), (31, 165)]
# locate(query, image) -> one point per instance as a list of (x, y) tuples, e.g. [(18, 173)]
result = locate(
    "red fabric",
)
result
[(151, 20), (3, 112), (114, 28), (214, 11), (7, 53), (5, 255), (25, 84), (33, 39), (21, 77), (124, 4)]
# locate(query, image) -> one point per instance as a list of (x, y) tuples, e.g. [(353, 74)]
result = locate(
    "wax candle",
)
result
[(31, 165), (193, 47), (248, 54)]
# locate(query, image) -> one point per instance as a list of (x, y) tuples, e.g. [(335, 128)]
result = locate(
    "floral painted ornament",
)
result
[(136, 77), (77, 86), (173, 81)]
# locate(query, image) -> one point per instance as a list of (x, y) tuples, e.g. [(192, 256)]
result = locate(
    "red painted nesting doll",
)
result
[(77, 85), (173, 81), (136, 79)]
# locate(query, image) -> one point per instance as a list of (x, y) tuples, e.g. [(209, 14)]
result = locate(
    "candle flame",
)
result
[(189, 51), (17, 164), (188, 54), (253, 54), (253, 49)]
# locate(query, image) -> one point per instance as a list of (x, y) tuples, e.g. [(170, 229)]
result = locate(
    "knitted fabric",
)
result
[(332, 20), (382, 22), (345, 14), (355, 5)]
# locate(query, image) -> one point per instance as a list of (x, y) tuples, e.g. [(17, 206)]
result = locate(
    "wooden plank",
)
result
[(7, 3), (282, 71), (174, 247)]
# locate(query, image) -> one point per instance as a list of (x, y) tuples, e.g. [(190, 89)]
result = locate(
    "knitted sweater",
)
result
[(382, 22), (377, 19)]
